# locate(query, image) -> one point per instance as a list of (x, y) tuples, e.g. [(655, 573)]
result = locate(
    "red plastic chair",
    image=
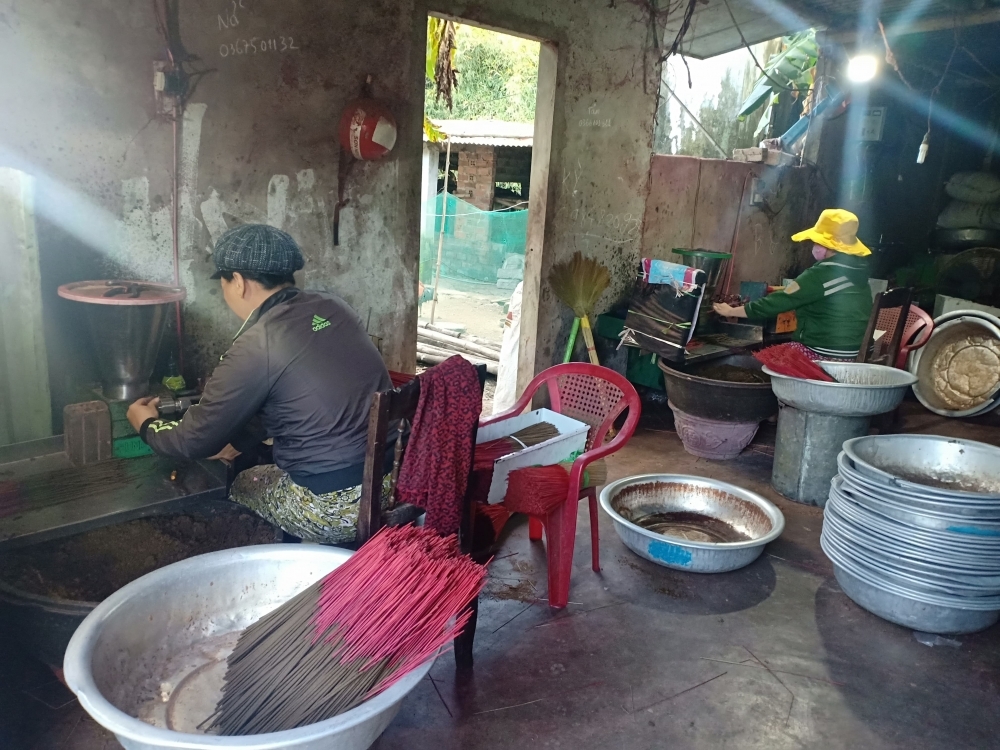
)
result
[(596, 396), (919, 327)]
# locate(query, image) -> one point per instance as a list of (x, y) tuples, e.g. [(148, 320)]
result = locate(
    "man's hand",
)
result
[(227, 454), (728, 311), (141, 410)]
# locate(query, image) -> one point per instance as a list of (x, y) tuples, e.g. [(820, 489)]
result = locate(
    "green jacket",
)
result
[(832, 303)]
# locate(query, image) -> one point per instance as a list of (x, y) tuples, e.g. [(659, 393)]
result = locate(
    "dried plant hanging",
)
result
[(441, 47)]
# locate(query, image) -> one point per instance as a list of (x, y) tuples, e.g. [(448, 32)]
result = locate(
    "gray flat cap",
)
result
[(256, 248)]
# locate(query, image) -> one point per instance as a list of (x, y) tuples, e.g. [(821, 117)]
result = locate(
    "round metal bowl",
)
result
[(933, 504), (839, 555), (931, 466), (147, 663), (695, 515), (976, 357), (909, 612), (720, 400), (861, 390), (981, 552), (978, 567), (921, 576), (925, 519)]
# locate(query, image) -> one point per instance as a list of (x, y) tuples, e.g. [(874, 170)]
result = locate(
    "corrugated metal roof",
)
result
[(712, 31), (487, 132)]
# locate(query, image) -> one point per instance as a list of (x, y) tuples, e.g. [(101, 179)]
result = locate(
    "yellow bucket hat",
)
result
[(836, 229)]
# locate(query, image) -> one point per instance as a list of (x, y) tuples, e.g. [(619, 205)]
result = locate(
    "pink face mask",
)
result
[(819, 252)]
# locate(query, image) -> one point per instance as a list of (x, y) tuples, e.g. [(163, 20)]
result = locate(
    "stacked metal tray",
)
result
[(912, 527)]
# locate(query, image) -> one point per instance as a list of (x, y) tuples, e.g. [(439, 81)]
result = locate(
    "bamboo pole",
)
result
[(444, 354), (433, 337), (444, 217), (463, 336), (588, 337), (434, 359), (440, 351)]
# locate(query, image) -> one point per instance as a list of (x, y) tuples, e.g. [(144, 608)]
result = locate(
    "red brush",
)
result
[(348, 637), (537, 490), (789, 360)]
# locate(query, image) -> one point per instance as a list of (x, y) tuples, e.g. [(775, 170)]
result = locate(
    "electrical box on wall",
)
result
[(872, 124), (167, 86)]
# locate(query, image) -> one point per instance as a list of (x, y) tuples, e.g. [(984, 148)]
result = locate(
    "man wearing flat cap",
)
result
[(301, 370)]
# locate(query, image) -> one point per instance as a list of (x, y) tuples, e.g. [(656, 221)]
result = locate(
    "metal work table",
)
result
[(43, 497)]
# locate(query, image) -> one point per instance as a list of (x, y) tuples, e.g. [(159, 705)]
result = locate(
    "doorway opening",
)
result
[(479, 201)]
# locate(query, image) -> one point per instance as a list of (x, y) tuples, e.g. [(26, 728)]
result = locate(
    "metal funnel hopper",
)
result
[(126, 321)]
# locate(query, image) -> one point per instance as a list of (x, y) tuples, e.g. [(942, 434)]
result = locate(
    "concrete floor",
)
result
[(772, 656)]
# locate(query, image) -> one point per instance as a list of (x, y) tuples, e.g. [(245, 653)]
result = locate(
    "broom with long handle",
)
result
[(579, 283), (571, 343)]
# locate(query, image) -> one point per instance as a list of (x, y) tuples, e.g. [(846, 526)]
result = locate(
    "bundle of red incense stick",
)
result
[(489, 452), (789, 360), (537, 490), (350, 636)]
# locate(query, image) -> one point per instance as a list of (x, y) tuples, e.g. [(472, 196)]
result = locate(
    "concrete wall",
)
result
[(258, 144), (695, 203)]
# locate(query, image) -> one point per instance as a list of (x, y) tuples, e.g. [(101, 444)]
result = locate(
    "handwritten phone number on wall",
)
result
[(255, 45)]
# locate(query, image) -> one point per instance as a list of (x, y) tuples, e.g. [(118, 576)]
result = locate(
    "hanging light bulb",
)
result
[(862, 67)]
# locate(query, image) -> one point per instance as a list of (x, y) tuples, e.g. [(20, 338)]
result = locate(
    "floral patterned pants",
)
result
[(330, 518)]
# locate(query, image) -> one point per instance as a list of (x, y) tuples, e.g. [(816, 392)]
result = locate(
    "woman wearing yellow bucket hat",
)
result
[(832, 299)]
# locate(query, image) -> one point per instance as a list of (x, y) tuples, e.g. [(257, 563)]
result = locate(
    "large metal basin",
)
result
[(928, 617), (126, 327), (931, 466), (689, 546), (934, 504), (920, 574), (168, 634), (895, 536), (861, 390), (925, 519), (720, 400), (975, 356)]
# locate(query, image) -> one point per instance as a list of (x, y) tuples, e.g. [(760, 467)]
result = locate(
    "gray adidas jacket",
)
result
[(304, 365)]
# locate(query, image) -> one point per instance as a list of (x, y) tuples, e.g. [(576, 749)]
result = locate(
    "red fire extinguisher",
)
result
[(367, 129)]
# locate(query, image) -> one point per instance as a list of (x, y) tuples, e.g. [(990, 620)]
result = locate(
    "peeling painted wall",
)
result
[(705, 203), (284, 72), (258, 143)]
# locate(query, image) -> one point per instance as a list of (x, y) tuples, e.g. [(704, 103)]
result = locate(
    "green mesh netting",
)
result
[(476, 243)]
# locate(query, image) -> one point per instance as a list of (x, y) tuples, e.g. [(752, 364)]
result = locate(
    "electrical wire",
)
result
[(756, 62), (890, 58)]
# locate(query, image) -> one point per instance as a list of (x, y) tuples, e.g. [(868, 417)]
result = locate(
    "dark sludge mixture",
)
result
[(732, 374)]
